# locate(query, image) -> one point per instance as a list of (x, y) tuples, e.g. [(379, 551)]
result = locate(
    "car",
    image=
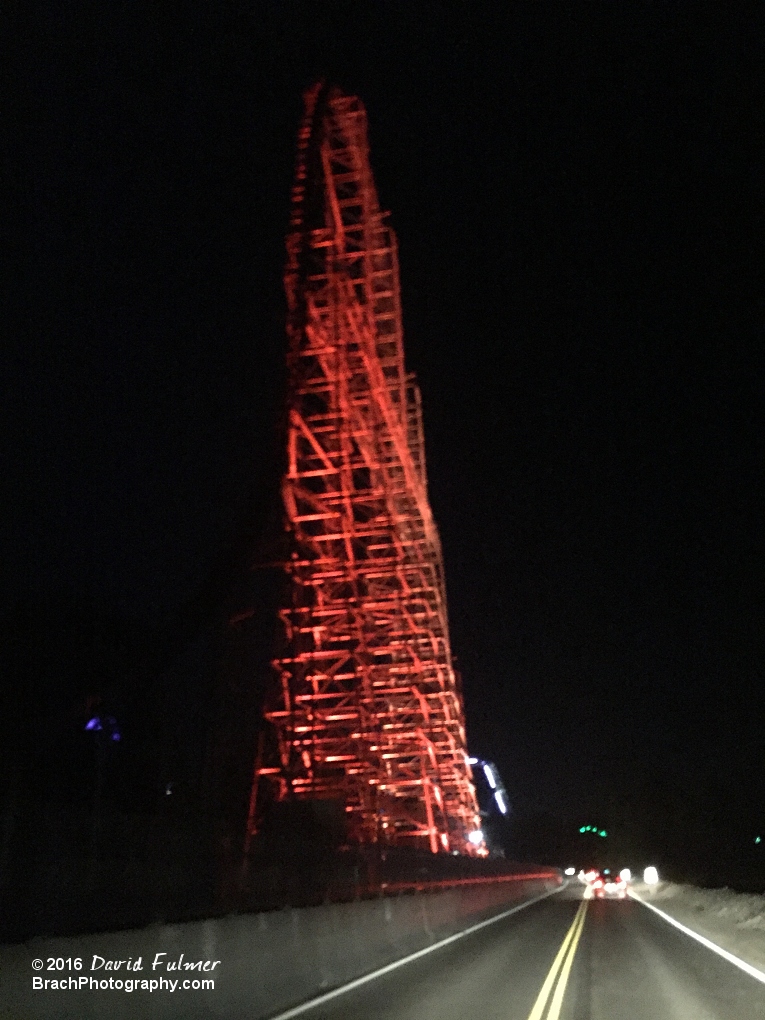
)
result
[(608, 886)]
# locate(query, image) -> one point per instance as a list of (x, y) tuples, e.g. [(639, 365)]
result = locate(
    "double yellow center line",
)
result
[(560, 970)]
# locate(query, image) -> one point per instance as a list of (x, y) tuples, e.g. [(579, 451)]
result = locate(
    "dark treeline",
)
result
[(126, 751), (100, 833), (691, 836)]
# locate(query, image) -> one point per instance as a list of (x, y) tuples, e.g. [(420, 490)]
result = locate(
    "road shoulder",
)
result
[(731, 920)]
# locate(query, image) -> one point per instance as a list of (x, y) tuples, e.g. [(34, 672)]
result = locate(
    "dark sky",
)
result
[(578, 202)]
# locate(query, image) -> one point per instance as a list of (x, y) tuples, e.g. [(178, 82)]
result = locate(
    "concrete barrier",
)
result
[(260, 963)]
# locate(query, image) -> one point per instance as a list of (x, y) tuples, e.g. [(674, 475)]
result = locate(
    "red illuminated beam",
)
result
[(367, 709)]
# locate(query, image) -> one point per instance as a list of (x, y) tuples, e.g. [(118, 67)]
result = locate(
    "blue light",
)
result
[(104, 724)]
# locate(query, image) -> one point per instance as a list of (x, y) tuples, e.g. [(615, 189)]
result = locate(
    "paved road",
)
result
[(564, 958)]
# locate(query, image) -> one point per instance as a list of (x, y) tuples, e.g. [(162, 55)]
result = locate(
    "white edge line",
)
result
[(741, 964), (357, 982)]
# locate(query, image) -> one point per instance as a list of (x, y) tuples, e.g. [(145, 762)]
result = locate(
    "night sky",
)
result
[(577, 194)]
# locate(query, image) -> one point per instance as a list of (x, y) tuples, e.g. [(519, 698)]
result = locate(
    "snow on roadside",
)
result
[(734, 921)]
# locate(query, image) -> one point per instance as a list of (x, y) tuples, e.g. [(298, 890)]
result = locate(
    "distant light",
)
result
[(500, 802), (626, 874), (650, 876), (606, 871), (103, 724), (476, 837), (758, 839), (602, 832), (488, 772), (583, 829), (570, 871), (168, 789)]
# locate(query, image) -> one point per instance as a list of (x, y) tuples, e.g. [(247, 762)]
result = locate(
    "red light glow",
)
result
[(367, 708)]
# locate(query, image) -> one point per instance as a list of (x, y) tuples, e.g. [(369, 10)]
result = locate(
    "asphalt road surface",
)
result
[(563, 958)]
